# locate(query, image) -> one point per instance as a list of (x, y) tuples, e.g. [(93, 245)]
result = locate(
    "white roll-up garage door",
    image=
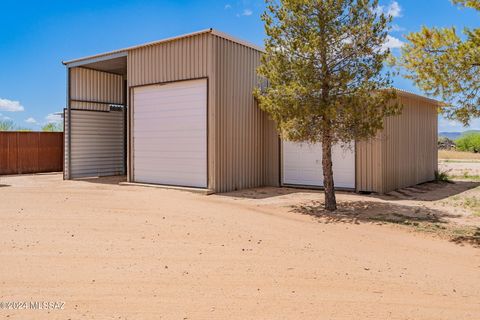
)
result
[(302, 165), (170, 134)]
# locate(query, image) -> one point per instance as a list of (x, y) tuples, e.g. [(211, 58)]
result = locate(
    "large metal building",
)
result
[(181, 112)]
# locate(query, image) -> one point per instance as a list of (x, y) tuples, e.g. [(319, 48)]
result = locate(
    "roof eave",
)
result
[(124, 51), (417, 96)]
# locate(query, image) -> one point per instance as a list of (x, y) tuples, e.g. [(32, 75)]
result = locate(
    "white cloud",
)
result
[(447, 125), (397, 28), (53, 118), (392, 43), (379, 9), (10, 105), (228, 6), (247, 12), (2, 117), (31, 120), (394, 9)]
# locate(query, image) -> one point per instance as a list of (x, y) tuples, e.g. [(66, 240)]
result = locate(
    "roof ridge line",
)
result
[(152, 43)]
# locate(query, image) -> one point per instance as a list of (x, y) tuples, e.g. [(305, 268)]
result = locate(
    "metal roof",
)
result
[(124, 51), (411, 94), (118, 54)]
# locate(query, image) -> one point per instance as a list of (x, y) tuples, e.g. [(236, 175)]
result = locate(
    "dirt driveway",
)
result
[(126, 252)]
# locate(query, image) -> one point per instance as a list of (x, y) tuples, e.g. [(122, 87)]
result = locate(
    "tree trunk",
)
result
[(330, 200)]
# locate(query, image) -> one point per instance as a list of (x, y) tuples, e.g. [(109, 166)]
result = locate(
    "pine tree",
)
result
[(446, 64), (323, 66)]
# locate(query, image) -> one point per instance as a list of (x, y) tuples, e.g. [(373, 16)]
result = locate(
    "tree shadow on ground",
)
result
[(420, 218), (373, 211)]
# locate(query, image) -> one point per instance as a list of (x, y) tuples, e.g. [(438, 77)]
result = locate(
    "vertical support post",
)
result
[(129, 133), (69, 126), (125, 134)]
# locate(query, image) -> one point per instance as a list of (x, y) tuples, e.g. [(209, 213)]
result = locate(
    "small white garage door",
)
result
[(302, 165), (170, 134)]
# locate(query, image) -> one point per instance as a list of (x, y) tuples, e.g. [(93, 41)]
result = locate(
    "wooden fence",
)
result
[(30, 152)]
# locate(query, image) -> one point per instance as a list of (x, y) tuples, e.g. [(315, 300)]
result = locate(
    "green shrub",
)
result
[(442, 176), (469, 142), (7, 125), (53, 127)]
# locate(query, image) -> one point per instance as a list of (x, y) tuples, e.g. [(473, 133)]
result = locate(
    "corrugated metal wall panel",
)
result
[(97, 143), (271, 154), (404, 153), (89, 106), (246, 147), (94, 86), (369, 164), (181, 59), (411, 139)]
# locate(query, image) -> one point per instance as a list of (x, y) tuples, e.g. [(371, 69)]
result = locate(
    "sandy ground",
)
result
[(460, 167), (124, 252)]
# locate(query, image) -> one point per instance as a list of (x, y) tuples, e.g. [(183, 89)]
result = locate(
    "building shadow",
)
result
[(429, 191), (268, 192), (110, 180)]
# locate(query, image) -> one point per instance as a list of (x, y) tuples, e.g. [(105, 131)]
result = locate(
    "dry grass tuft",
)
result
[(457, 155), (470, 203), (465, 175)]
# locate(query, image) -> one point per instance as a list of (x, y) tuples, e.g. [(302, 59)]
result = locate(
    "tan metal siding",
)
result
[(181, 59), (89, 86), (369, 165), (404, 153), (89, 106), (272, 154), (246, 147), (411, 145)]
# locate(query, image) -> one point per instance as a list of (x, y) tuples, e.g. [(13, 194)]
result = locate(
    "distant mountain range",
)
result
[(456, 135)]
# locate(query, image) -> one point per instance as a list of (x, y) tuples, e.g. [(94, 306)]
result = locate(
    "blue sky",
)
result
[(35, 36)]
